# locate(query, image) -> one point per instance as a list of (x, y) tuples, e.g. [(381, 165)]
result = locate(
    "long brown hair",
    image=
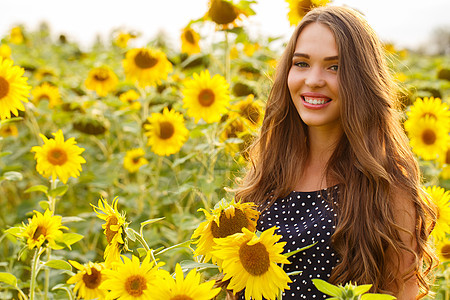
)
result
[(372, 161)]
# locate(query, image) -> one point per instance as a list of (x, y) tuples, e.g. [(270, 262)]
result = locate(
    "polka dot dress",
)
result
[(305, 218)]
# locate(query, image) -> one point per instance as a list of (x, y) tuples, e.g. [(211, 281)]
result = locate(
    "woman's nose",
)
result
[(314, 78)]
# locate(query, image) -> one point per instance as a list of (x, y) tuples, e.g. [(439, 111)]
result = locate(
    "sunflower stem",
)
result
[(446, 280), (227, 58), (51, 199), (34, 271), (141, 240)]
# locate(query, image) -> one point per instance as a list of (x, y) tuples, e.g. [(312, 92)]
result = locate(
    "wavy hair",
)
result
[(371, 162)]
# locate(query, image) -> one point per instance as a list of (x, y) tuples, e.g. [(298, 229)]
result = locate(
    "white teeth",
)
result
[(311, 100)]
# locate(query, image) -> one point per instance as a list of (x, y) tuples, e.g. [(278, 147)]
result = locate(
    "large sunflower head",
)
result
[(182, 288), (130, 100), (432, 107), (189, 41), (441, 199), (14, 89), (134, 159), (166, 132), (428, 137), (206, 97), (47, 92), (131, 279), (225, 13), (114, 229), (146, 66), (87, 280), (225, 219), (102, 80), (250, 262), (299, 8), (44, 229), (58, 158)]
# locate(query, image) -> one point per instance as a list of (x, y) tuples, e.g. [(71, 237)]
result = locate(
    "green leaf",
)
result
[(65, 220), (71, 238), (151, 221), (15, 231), (142, 252), (5, 153), (190, 264), (183, 244), (59, 191), (361, 289), (58, 264), (293, 273), (131, 234), (370, 296), (289, 254), (37, 188), (44, 204), (327, 288), (12, 175), (8, 278)]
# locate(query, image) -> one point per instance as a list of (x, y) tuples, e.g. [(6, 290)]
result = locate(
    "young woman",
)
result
[(333, 166)]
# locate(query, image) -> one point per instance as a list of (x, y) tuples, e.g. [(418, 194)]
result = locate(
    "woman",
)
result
[(332, 165)]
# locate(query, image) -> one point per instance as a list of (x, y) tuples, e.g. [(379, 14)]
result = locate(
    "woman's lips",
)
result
[(315, 101)]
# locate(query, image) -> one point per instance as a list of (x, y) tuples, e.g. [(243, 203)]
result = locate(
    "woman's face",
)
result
[(312, 79)]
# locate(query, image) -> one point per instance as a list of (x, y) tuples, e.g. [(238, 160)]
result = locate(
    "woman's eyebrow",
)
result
[(328, 58)]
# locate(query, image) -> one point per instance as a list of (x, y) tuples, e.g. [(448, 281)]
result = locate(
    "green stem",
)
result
[(446, 279), (227, 58), (143, 242), (47, 276), (51, 199), (34, 272)]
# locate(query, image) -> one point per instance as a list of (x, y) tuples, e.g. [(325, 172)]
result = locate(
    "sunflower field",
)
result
[(117, 163)]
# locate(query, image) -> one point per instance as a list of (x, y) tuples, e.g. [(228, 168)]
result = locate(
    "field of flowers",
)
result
[(135, 150)]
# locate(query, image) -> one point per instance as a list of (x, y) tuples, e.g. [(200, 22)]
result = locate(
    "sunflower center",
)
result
[(92, 281), (303, 7), (222, 12), (166, 130), (234, 129), (112, 220), (429, 137), (181, 297), (445, 251), (229, 226), (135, 285), (4, 87), (57, 157), (101, 75), (144, 60), (43, 97), (40, 230), (189, 36), (136, 160), (206, 97), (254, 258)]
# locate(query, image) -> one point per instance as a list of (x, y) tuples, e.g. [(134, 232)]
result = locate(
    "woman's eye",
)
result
[(301, 64), (334, 67)]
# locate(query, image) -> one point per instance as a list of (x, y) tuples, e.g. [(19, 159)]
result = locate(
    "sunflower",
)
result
[(16, 35), (47, 92), (225, 13), (299, 8), (8, 130), (205, 97), (115, 227), (185, 288), (129, 98), (234, 128), (166, 132), (189, 41), (224, 220), (428, 138), (122, 39), (443, 250), (134, 159), (14, 89), (432, 107), (251, 110), (132, 279), (250, 262), (146, 66), (87, 280), (441, 198), (5, 51), (43, 229), (102, 80), (58, 158)]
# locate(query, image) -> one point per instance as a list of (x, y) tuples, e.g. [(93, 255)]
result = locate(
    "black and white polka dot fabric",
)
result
[(305, 218)]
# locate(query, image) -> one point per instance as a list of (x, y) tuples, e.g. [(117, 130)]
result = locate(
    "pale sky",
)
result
[(407, 23)]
